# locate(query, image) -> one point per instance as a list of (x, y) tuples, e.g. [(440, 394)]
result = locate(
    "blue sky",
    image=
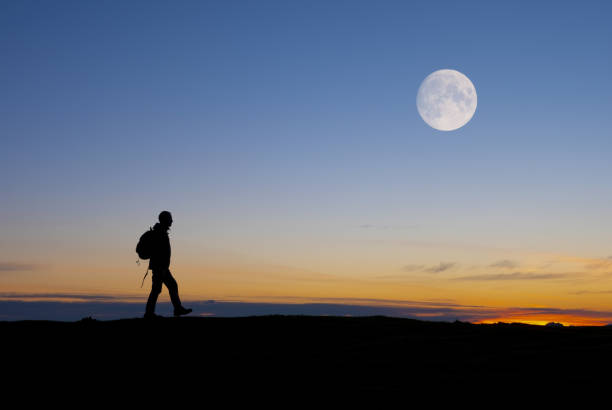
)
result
[(255, 122)]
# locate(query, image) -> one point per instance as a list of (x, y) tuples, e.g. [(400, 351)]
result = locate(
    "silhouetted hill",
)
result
[(301, 353)]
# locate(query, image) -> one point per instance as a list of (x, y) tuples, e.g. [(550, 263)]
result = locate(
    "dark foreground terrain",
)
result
[(301, 353)]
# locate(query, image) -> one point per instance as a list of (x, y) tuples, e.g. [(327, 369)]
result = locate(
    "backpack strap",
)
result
[(146, 273)]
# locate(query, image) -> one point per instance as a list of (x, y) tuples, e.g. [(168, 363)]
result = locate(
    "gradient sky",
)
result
[(284, 138)]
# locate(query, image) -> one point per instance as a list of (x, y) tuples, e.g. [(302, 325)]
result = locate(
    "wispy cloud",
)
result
[(591, 292), (443, 266), (591, 264), (513, 276), (364, 301), (14, 267), (72, 297), (600, 264), (387, 227), (413, 268), (506, 264)]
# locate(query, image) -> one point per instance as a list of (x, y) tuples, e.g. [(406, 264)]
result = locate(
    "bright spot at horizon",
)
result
[(446, 100)]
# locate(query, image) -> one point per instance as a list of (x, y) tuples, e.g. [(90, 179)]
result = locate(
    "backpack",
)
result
[(144, 249)]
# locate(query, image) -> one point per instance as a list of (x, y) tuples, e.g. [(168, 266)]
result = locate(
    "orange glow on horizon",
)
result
[(544, 320)]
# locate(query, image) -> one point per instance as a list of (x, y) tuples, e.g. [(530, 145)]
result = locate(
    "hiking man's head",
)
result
[(165, 219)]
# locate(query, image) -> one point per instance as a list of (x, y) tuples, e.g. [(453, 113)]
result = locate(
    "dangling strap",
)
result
[(146, 273)]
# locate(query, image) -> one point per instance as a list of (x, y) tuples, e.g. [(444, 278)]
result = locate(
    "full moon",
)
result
[(446, 100)]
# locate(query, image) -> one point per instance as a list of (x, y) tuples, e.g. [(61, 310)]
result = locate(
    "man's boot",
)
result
[(182, 311)]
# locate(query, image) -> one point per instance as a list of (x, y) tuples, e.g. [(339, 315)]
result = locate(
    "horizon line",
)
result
[(75, 306)]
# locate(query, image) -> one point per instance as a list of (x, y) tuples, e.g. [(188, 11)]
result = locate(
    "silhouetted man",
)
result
[(160, 266)]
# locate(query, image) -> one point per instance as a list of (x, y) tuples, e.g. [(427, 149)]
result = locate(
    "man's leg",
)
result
[(174, 295), (156, 289), (172, 286)]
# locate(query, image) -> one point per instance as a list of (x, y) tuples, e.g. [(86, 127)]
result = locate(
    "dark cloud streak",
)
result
[(443, 266), (17, 267), (413, 268), (62, 296), (506, 264), (512, 276), (591, 292)]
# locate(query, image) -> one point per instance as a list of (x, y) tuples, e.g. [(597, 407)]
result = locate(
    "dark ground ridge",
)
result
[(375, 353)]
